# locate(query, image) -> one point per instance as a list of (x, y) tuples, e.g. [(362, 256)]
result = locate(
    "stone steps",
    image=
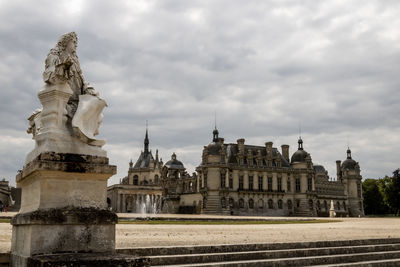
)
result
[(213, 205), (301, 261), (368, 252)]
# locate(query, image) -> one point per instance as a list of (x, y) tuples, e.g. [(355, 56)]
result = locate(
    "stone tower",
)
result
[(348, 173)]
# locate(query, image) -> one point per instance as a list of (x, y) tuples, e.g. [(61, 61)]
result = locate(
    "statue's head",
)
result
[(68, 42)]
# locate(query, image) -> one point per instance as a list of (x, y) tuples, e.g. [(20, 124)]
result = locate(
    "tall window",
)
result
[(260, 204), (269, 183), (205, 180), (279, 184), (241, 182), (289, 185), (156, 179), (135, 180), (222, 177), (309, 184), (251, 203), (270, 204), (358, 189), (251, 183), (260, 183), (297, 184), (280, 205), (230, 181), (241, 203)]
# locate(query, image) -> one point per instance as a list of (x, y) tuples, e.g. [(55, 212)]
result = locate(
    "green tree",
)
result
[(373, 198), (390, 190)]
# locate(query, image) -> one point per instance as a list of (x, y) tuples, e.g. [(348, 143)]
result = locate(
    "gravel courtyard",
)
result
[(143, 235)]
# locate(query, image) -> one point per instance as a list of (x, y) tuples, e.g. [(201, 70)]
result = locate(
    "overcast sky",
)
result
[(263, 66)]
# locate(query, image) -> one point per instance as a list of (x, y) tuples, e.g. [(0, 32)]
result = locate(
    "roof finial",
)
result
[(215, 119), (299, 129)]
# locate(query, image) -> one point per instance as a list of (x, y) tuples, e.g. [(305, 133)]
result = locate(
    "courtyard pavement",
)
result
[(145, 235)]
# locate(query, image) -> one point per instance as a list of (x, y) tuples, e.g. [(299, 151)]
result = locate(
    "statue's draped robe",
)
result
[(64, 67)]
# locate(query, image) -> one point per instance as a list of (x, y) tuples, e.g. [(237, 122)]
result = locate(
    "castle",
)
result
[(239, 179)]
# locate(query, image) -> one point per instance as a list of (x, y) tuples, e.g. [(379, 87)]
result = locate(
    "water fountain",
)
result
[(147, 204)]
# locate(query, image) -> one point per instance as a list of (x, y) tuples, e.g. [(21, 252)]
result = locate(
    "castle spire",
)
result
[(146, 141), (300, 142), (215, 132)]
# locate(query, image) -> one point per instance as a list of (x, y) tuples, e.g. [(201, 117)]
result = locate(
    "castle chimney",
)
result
[(338, 174), (268, 146), (285, 151), (240, 143)]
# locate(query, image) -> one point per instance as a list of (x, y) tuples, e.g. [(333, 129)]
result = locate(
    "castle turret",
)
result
[(351, 177)]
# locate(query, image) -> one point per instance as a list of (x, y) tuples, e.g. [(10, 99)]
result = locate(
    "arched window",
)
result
[(251, 203), (223, 203), (289, 204), (311, 204), (344, 206), (156, 179), (338, 205), (241, 203), (231, 203), (325, 205), (318, 205), (260, 204), (270, 204), (135, 180), (280, 205)]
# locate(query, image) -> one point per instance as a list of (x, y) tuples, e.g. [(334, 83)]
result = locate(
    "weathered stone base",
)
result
[(87, 260), (63, 230), (63, 207)]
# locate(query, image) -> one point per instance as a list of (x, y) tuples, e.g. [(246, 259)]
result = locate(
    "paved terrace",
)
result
[(144, 235)]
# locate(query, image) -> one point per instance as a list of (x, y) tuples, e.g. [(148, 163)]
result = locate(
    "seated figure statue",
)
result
[(84, 106), (62, 65)]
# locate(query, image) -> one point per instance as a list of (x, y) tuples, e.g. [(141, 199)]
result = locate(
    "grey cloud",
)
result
[(264, 66)]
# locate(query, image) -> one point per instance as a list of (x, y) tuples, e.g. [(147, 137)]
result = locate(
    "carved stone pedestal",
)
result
[(63, 207)]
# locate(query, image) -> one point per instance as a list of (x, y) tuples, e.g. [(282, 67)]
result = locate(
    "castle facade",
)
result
[(241, 179)]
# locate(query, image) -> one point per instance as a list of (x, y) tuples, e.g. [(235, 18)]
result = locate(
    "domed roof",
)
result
[(349, 163), (300, 155), (319, 169), (173, 163)]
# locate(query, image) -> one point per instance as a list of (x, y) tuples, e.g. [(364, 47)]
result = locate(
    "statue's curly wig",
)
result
[(66, 38)]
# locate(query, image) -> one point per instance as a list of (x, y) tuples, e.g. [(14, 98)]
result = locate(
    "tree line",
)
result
[(382, 196)]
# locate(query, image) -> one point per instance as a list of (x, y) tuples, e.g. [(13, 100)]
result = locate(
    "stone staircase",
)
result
[(214, 206), (366, 252), (303, 210)]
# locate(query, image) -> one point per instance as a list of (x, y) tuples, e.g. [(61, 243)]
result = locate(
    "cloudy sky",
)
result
[(263, 66)]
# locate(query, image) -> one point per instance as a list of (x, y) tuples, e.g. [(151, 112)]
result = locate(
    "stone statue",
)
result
[(72, 109), (62, 66)]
